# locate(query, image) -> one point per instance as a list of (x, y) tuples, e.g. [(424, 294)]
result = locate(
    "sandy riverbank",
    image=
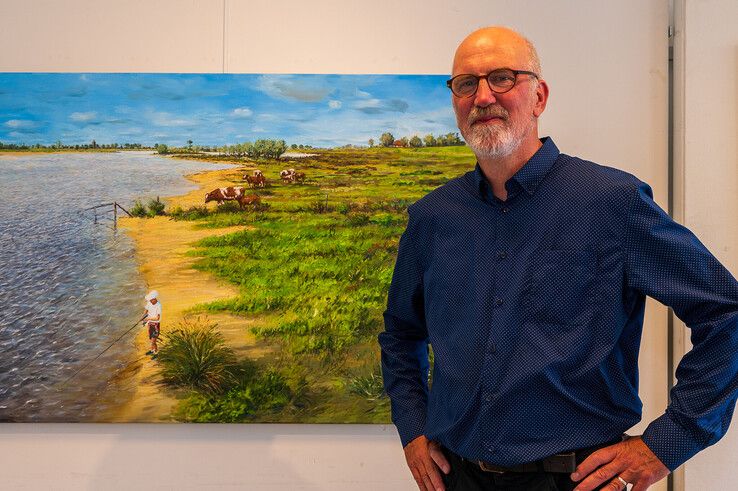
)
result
[(161, 248)]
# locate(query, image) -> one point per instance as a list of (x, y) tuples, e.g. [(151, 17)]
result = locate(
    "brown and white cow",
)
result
[(286, 175), (290, 175), (230, 193), (257, 180)]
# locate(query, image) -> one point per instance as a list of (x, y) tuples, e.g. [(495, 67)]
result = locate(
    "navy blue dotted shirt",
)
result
[(534, 311)]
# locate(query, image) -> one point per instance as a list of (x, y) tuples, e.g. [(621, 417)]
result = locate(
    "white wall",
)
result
[(585, 46), (706, 172)]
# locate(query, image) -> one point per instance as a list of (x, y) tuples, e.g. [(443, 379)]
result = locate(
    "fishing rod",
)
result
[(102, 352)]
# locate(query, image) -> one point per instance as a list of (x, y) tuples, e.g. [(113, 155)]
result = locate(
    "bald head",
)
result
[(498, 42)]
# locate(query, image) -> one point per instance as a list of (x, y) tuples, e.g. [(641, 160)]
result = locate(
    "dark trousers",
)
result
[(466, 475)]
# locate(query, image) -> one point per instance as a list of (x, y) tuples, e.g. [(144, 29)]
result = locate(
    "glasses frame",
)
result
[(449, 82)]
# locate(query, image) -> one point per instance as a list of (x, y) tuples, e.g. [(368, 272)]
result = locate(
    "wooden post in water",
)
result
[(115, 215)]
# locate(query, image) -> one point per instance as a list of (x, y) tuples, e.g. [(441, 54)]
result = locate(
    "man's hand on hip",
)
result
[(627, 462), (425, 459)]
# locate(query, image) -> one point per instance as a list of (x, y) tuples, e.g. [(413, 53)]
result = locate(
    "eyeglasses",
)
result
[(500, 81)]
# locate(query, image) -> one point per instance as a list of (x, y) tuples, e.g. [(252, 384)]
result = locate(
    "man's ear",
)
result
[(541, 98)]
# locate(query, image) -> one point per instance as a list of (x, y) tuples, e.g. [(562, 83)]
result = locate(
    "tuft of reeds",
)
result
[(370, 386), (195, 355)]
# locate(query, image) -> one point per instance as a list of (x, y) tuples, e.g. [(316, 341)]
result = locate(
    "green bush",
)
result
[(138, 209), (195, 355), (320, 206), (385, 219), (191, 213), (268, 391), (357, 219), (156, 207)]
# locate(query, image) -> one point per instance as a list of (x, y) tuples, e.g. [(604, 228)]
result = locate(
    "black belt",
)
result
[(561, 462)]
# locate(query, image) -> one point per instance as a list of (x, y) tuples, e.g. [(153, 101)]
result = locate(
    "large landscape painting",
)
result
[(265, 211)]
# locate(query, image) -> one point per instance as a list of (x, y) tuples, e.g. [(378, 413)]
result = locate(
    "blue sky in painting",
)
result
[(218, 109)]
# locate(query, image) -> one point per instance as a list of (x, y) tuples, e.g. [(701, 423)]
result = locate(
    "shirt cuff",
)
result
[(670, 442), (409, 428)]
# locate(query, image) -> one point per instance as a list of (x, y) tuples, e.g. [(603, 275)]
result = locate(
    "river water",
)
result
[(70, 287)]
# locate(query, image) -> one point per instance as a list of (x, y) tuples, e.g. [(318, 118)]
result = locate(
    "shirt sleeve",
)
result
[(667, 262), (404, 343)]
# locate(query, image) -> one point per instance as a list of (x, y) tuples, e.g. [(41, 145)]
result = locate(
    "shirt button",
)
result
[(505, 209), (498, 302), (502, 255), (487, 397)]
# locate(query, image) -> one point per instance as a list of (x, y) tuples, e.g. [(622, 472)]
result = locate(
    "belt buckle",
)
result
[(487, 467), (561, 463)]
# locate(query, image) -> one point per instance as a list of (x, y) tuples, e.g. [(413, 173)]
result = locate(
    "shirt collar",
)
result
[(529, 176)]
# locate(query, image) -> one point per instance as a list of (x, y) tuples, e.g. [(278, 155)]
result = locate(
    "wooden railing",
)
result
[(105, 214)]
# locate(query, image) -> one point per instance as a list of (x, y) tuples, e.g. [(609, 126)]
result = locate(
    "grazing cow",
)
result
[(251, 199), (221, 195), (290, 175), (256, 180), (286, 175)]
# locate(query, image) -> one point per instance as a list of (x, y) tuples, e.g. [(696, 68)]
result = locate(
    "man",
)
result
[(153, 320), (528, 278)]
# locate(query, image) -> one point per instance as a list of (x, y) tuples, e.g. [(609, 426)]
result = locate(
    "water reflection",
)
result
[(69, 288)]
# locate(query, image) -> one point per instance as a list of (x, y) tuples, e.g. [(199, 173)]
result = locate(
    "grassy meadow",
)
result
[(313, 266)]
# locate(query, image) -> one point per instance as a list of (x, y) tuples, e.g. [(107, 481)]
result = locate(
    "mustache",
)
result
[(478, 113)]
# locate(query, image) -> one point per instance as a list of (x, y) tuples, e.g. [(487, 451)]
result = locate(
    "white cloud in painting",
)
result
[(347, 127), (299, 89), (132, 132), (19, 124), (362, 94), (377, 106), (166, 119), (334, 104), (83, 117), (242, 112), (258, 129)]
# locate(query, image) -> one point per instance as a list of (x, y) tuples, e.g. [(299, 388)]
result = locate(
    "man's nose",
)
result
[(484, 95)]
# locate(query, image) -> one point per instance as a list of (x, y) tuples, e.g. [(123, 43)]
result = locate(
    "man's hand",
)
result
[(424, 459), (630, 460)]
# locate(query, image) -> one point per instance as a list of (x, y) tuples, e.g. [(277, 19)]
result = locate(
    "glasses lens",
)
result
[(501, 80), (464, 85)]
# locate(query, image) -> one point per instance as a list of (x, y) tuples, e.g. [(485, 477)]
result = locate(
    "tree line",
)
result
[(67, 146), (388, 140), (260, 148)]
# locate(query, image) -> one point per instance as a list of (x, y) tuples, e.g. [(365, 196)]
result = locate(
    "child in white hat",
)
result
[(153, 320)]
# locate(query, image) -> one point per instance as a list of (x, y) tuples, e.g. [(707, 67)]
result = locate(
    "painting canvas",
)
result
[(262, 211)]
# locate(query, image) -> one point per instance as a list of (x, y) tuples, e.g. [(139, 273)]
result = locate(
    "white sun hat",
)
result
[(152, 294)]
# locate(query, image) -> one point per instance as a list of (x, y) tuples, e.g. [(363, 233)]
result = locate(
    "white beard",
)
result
[(495, 140), (491, 142)]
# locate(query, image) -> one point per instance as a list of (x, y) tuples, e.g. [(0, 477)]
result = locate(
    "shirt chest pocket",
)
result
[(561, 286)]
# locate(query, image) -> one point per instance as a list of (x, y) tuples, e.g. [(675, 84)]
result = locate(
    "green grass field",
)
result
[(313, 268)]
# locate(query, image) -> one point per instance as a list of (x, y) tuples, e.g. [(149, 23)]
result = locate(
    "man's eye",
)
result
[(467, 83), (501, 79)]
